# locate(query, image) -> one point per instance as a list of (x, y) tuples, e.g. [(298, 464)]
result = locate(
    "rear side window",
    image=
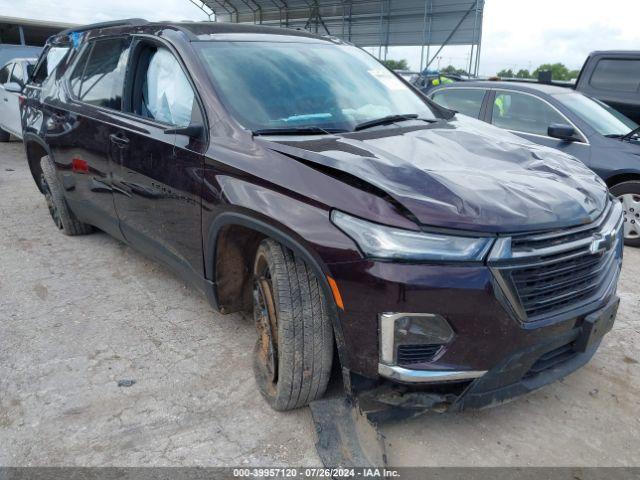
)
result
[(4, 73), (49, 63), (466, 101), (99, 81), (617, 74)]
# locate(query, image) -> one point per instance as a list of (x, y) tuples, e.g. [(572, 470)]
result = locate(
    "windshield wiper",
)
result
[(631, 134), (296, 131), (385, 121)]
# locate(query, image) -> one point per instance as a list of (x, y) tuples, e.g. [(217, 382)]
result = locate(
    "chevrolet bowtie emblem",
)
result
[(602, 242)]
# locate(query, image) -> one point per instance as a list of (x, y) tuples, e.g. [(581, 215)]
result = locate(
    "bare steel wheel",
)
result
[(629, 195), (294, 349)]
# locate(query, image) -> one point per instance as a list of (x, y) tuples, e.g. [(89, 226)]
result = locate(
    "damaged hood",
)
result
[(460, 174)]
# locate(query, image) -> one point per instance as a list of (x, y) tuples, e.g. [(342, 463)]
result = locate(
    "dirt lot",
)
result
[(78, 315)]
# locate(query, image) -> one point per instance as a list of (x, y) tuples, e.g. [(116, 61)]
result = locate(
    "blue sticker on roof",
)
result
[(76, 38)]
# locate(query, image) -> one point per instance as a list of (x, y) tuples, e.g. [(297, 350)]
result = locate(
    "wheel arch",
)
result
[(244, 223), (620, 177), (35, 149)]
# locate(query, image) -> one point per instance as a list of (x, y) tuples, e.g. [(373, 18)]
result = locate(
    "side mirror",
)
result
[(13, 87), (195, 130), (562, 132)]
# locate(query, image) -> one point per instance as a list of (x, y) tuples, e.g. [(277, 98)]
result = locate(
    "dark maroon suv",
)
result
[(296, 177)]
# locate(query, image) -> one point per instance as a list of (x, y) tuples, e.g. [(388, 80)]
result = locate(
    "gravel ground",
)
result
[(79, 315)]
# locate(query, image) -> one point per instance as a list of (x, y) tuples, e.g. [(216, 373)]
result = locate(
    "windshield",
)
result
[(273, 85), (601, 117)]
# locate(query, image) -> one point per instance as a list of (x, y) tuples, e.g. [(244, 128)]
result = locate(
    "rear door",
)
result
[(80, 130), (529, 116), (157, 178)]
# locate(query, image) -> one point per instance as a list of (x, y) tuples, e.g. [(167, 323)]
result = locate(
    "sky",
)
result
[(516, 33)]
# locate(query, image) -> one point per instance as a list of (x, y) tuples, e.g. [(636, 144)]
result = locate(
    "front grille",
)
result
[(551, 359), (553, 272), (412, 354), (561, 283)]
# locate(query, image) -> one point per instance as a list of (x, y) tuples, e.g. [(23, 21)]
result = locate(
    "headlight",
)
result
[(380, 241)]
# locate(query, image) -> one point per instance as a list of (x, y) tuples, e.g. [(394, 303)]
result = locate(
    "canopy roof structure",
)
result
[(366, 23)]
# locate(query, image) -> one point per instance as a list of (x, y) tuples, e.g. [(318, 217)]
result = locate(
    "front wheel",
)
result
[(294, 351), (4, 136), (629, 194)]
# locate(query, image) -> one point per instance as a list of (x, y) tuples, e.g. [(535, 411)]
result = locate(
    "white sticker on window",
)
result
[(387, 79)]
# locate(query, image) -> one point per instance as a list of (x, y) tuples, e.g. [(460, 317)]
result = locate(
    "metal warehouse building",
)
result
[(368, 23), (21, 37)]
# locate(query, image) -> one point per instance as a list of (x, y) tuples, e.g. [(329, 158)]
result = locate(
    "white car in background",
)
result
[(13, 78)]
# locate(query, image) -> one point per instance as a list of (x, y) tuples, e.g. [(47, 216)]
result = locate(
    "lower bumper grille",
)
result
[(551, 359), (412, 354)]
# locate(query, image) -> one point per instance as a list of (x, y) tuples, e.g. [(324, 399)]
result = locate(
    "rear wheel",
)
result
[(294, 351), (4, 136), (629, 194), (64, 218)]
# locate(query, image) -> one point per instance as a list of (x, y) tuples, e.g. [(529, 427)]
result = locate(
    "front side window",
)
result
[(601, 117), (305, 84), (617, 74), (102, 77), (166, 94), (524, 113), (463, 100)]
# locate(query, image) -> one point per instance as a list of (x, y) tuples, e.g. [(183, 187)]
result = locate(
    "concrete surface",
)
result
[(77, 315)]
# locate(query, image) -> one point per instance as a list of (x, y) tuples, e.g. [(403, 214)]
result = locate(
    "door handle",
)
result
[(119, 139)]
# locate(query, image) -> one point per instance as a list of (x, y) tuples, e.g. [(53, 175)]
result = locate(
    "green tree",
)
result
[(523, 73), (506, 73), (558, 71), (451, 70), (396, 64)]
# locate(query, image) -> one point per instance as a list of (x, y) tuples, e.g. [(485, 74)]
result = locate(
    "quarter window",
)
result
[(102, 78), (524, 113), (466, 101), (617, 74)]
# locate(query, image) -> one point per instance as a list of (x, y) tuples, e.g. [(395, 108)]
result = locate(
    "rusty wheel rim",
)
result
[(266, 324)]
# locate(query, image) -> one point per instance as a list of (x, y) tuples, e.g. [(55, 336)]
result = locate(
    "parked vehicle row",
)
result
[(602, 138), (13, 78), (348, 212)]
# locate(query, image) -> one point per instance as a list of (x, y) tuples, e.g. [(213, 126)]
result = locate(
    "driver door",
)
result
[(157, 176)]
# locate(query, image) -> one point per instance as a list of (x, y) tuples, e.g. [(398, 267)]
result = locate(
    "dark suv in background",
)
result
[(296, 177), (613, 77)]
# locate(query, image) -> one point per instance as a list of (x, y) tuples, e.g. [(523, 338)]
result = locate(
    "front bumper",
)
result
[(495, 345)]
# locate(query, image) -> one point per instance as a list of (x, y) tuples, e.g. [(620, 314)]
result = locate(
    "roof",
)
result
[(615, 52), (524, 86), (204, 29), (196, 31)]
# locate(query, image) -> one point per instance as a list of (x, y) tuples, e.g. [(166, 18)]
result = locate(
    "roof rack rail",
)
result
[(114, 23)]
